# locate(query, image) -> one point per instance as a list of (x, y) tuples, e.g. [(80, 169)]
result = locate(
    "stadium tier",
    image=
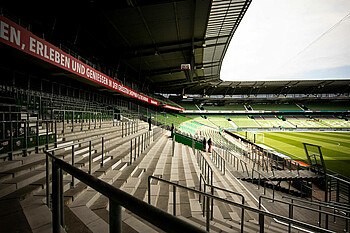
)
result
[(275, 107), (328, 107)]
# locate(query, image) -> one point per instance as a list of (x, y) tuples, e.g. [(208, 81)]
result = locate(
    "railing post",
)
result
[(25, 147), (37, 137), (261, 222), (149, 190), (82, 121), (290, 216), (89, 120), (47, 181), (101, 120), (200, 187), (90, 158), (204, 190), (122, 129), (72, 121), (135, 149), (95, 119), (212, 203), (61, 201), (173, 149), (142, 143), (47, 135), (138, 149), (242, 216), (102, 149), (174, 200), (64, 113), (224, 167), (72, 183), (208, 214), (55, 133), (56, 228), (115, 217), (337, 191), (319, 216), (130, 151)]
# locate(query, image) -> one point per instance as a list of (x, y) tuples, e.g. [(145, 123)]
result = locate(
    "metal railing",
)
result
[(212, 189), (205, 168), (340, 186), (129, 127), (331, 206), (117, 200), (291, 211), (22, 135), (51, 152), (77, 118), (262, 214), (139, 144), (261, 157), (219, 161)]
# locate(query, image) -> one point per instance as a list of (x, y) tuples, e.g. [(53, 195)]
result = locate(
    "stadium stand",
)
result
[(328, 107), (275, 107), (189, 105), (243, 121), (86, 146)]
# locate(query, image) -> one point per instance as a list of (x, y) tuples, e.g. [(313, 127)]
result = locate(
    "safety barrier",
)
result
[(50, 153), (23, 135), (262, 214), (292, 205), (219, 161), (140, 143), (334, 207), (77, 118), (117, 200)]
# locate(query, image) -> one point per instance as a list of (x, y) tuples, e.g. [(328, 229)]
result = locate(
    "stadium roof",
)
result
[(143, 41), (146, 42), (252, 88)]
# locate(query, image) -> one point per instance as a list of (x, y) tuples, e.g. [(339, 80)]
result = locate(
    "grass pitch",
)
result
[(335, 146)]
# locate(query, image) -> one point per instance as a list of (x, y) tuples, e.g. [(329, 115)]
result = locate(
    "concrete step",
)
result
[(102, 203), (136, 224), (26, 179), (6, 189), (18, 171), (9, 164), (37, 214), (92, 221)]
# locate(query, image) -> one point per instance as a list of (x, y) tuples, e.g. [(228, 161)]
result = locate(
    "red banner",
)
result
[(22, 39), (173, 108)]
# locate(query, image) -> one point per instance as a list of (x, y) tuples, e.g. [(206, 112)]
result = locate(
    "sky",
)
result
[(290, 40)]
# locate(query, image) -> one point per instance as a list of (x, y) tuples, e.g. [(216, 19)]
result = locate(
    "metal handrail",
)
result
[(273, 185), (332, 206), (25, 135), (340, 179), (117, 199), (205, 167), (245, 164), (219, 161), (144, 140), (319, 203), (291, 205), (212, 193), (261, 213), (50, 153)]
